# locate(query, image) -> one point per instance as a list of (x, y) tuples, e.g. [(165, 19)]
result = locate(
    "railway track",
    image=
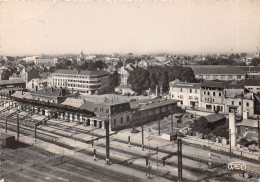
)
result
[(42, 136)]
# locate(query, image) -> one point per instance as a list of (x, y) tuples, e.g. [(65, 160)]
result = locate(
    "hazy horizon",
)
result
[(57, 28)]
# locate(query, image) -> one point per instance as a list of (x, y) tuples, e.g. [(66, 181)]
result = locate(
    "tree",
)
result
[(119, 64), (201, 125), (255, 62), (114, 79)]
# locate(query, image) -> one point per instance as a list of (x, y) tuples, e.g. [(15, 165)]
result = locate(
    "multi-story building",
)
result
[(188, 93), (88, 82), (41, 59), (29, 73), (253, 85), (212, 96), (224, 73)]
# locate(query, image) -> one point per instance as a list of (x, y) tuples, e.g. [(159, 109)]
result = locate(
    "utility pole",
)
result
[(6, 124), (142, 135), (230, 151), (35, 128), (159, 127), (258, 127), (107, 141), (179, 160), (18, 127), (172, 124)]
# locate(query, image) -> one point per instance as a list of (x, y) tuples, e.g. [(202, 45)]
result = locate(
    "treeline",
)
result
[(142, 79), (87, 65)]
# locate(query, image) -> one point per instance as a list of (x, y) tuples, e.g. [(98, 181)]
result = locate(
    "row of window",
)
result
[(83, 86), (213, 93), (122, 120), (80, 81), (195, 90), (223, 77), (190, 97)]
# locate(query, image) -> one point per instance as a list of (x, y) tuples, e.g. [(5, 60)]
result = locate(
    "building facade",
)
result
[(224, 73), (27, 74), (253, 85), (188, 93), (89, 82)]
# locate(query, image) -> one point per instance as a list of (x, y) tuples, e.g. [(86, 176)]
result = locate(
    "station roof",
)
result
[(214, 117), (13, 81), (249, 122), (152, 103), (73, 102)]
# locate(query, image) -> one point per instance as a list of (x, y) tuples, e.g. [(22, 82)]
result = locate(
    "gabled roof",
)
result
[(213, 84), (218, 71)]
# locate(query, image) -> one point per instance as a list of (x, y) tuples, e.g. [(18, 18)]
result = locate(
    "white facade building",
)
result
[(89, 82), (188, 93)]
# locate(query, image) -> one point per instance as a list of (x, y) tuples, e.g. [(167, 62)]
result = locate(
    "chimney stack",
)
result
[(232, 129)]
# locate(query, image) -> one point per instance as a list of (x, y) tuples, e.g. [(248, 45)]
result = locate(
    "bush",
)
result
[(243, 141)]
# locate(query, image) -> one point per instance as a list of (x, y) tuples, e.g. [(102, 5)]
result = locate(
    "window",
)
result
[(114, 122), (222, 77), (181, 97), (238, 76), (204, 92), (190, 97), (213, 100), (127, 119), (240, 103), (207, 77), (230, 77), (172, 96), (208, 93), (122, 120), (219, 94), (232, 102), (205, 99), (208, 107), (195, 90), (190, 90), (246, 129), (181, 90), (215, 77), (200, 76), (214, 94), (247, 104)]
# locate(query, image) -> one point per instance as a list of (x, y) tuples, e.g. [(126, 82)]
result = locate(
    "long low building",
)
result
[(119, 114)]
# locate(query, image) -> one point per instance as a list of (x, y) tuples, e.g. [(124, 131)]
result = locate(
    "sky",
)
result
[(189, 27)]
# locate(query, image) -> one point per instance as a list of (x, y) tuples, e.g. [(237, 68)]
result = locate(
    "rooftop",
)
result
[(214, 117), (152, 103), (180, 84), (252, 82), (13, 81), (248, 122), (52, 92), (218, 71), (77, 72)]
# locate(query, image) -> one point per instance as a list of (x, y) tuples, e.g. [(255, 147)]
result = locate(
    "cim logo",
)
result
[(237, 165)]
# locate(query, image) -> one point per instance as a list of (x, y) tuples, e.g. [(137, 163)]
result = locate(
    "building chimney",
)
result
[(232, 129)]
